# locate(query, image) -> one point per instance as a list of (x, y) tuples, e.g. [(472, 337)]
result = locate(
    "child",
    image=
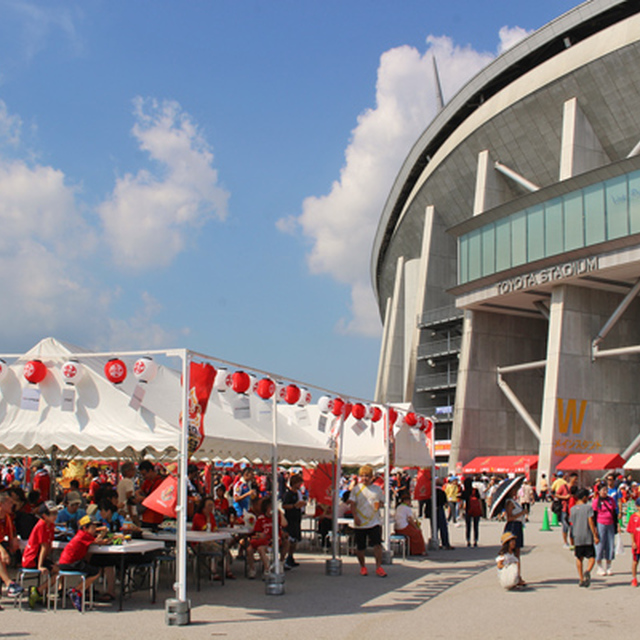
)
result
[(73, 556), (263, 537), (584, 535), (507, 561), (36, 553), (633, 527)]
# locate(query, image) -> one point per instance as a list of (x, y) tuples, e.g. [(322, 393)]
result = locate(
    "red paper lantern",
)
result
[(393, 416), (265, 388), (359, 411), (35, 371), (347, 409), (376, 414), (292, 394), (428, 425), (411, 419), (115, 370), (240, 382), (338, 406)]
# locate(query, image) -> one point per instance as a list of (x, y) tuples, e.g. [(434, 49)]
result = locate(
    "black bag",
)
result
[(556, 507)]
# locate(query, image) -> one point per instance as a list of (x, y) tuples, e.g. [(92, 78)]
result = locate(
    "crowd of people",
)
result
[(108, 501)]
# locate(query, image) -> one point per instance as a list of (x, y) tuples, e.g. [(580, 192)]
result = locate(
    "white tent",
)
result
[(633, 463), (103, 424), (363, 441)]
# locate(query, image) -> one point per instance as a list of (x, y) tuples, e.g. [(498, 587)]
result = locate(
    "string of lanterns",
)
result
[(145, 370)]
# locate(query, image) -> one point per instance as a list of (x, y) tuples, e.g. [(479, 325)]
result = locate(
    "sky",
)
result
[(210, 174)]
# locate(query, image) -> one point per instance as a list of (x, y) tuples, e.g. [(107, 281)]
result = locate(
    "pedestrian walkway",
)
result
[(447, 595)]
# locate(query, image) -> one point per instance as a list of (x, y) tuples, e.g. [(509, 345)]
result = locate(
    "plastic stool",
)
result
[(28, 574), (71, 574), (399, 541)]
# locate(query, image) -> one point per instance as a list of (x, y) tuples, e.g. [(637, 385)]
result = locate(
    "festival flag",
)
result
[(164, 498)]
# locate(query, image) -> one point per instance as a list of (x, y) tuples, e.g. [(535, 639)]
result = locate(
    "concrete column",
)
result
[(581, 150), (588, 407), (391, 387), (420, 299)]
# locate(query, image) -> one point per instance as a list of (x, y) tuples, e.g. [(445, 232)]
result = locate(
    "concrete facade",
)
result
[(519, 207)]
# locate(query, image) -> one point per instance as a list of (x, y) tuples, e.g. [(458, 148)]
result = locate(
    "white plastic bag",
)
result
[(618, 545), (508, 576)]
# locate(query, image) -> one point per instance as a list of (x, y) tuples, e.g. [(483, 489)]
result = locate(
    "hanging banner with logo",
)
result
[(201, 378)]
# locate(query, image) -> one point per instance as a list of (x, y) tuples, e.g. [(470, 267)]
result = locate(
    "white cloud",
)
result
[(341, 224), (140, 331), (510, 36), (34, 24), (10, 126), (149, 217), (46, 286)]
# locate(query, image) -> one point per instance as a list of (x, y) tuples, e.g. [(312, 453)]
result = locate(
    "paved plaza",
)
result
[(450, 594)]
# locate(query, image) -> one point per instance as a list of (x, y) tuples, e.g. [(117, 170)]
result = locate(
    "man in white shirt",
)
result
[(126, 490), (366, 499)]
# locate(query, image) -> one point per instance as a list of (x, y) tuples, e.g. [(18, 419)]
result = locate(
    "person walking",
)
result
[(606, 511), (472, 510), (366, 499)]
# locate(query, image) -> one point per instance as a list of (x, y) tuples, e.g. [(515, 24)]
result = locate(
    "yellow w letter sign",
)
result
[(571, 416)]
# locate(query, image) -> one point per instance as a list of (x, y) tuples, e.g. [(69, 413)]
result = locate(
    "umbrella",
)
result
[(502, 492)]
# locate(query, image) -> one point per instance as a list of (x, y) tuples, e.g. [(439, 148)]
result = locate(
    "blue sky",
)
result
[(209, 174)]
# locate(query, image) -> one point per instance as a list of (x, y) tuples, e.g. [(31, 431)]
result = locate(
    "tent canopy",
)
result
[(591, 462), (501, 464), (103, 424)]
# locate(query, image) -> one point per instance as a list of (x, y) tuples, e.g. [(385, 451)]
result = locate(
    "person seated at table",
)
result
[(262, 537), (221, 507), (204, 519), (71, 514), (9, 544), (74, 558), (108, 516), (24, 519), (406, 525), (37, 553)]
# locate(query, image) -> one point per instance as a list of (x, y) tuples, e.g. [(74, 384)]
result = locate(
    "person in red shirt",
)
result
[(9, 544), (633, 527), (221, 507), (73, 556), (205, 520), (36, 554), (41, 479), (263, 537), (151, 480)]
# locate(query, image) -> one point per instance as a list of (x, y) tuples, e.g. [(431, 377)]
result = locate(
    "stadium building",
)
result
[(506, 263)]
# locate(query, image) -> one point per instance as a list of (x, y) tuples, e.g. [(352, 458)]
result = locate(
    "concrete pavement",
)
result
[(450, 594)]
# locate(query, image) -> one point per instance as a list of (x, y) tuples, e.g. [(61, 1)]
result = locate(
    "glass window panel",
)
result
[(475, 255), (634, 202), (535, 234), (463, 264), (573, 221), (503, 244), (488, 250), (553, 228), (616, 207), (518, 238), (594, 214)]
